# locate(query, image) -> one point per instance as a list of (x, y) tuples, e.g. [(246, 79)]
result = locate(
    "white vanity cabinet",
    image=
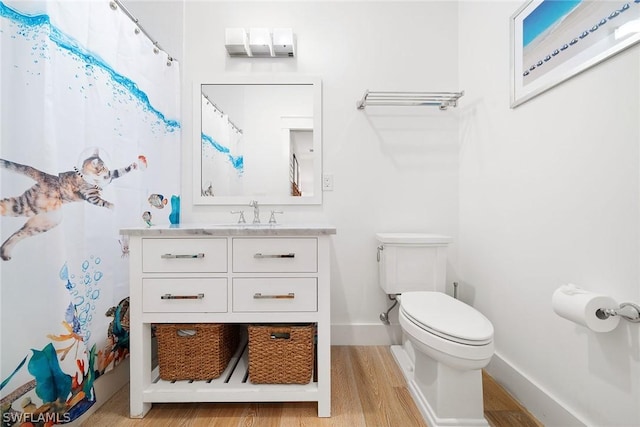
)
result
[(224, 274)]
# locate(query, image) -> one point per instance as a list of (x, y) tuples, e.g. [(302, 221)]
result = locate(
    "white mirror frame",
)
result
[(316, 83)]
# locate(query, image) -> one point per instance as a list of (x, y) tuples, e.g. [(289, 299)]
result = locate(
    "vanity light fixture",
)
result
[(260, 42), (237, 42), (283, 43)]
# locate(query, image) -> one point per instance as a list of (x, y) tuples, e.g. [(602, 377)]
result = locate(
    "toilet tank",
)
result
[(412, 262)]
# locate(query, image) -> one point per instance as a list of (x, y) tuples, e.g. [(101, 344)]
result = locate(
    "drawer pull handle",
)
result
[(174, 256), (289, 255), (290, 295), (169, 296)]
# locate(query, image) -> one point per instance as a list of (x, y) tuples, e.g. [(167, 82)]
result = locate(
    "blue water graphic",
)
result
[(91, 59), (236, 161), (544, 16)]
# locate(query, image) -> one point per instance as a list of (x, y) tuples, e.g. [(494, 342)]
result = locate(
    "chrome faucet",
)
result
[(256, 211)]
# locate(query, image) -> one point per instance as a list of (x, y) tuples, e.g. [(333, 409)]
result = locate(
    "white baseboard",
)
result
[(105, 387), (548, 410), (365, 334)]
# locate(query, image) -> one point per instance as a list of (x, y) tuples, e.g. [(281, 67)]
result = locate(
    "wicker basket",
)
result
[(281, 354), (195, 351)]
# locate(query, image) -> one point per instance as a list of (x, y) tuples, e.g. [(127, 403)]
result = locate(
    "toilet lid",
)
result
[(447, 317)]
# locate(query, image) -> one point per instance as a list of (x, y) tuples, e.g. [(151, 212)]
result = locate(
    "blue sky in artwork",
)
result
[(544, 16)]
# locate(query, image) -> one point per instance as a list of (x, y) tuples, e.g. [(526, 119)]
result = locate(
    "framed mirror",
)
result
[(258, 138)]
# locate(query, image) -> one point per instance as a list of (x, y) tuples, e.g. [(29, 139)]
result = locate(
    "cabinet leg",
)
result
[(324, 408), (138, 409), (139, 367)]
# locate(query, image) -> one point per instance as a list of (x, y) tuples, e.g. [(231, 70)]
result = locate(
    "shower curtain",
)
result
[(222, 165), (90, 144)]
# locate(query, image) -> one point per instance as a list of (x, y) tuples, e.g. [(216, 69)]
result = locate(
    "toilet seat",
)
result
[(447, 317)]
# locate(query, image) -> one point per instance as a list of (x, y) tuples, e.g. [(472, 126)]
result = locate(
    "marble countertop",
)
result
[(231, 230)]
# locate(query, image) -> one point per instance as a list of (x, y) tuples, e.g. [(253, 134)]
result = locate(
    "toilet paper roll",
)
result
[(580, 306)]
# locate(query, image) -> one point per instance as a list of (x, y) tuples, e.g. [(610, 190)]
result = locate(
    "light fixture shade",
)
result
[(237, 42), (260, 42), (283, 42)]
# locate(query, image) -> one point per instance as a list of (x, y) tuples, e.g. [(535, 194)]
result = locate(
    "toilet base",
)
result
[(456, 395)]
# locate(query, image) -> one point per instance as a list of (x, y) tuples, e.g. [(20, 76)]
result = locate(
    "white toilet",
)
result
[(446, 342)]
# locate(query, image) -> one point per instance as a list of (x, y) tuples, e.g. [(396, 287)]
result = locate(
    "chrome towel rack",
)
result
[(442, 100)]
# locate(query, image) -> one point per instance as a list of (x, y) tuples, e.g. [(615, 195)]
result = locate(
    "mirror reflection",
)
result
[(257, 142)]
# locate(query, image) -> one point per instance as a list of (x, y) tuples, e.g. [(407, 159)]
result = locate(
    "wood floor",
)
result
[(367, 390)]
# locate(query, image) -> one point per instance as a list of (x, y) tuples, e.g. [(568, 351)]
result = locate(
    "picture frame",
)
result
[(554, 40)]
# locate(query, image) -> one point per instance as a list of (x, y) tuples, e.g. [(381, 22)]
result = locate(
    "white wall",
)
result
[(549, 195), (394, 169), (548, 192)]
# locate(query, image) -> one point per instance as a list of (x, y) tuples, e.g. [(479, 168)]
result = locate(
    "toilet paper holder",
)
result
[(627, 310)]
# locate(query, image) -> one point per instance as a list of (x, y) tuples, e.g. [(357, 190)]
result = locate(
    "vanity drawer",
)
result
[(180, 295), (275, 294), (184, 255), (275, 255)]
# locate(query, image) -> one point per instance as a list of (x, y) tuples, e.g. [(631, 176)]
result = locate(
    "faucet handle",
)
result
[(272, 218), (241, 219)]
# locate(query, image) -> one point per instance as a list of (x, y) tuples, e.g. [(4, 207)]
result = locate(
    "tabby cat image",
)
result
[(42, 202)]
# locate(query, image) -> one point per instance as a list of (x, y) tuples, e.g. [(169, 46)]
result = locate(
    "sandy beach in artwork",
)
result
[(585, 17)]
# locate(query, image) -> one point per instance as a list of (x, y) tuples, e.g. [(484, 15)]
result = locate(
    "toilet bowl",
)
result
[(447, 329), (446, 342)]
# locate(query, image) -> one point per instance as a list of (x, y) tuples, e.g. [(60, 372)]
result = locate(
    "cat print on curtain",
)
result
[(90, 142), (50, 192)]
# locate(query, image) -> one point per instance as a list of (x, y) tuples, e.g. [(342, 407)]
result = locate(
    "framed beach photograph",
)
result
[(553, 40)]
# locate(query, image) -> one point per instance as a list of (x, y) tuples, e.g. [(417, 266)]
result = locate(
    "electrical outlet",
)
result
[(327, 182)]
